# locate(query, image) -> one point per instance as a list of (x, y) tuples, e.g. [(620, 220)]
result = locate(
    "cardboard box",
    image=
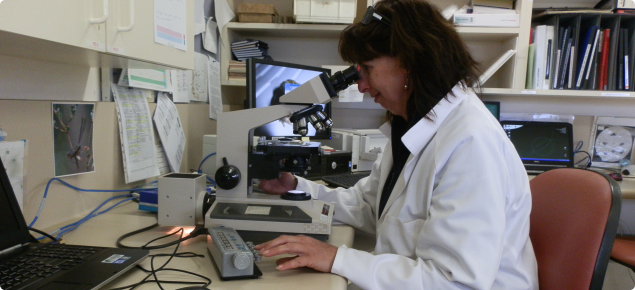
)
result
[(257, 13), (255, 18), (257, 8)]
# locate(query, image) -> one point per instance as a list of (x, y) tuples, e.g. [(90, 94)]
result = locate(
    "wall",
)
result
[(27, 89)]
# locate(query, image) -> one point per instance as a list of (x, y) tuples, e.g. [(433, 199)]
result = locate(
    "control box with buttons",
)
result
[(233, 258)]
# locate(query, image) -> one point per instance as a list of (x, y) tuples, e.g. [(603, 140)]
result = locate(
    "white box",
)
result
[(178, 197), (487, 20), (209, 147), (324, 11), (365, 145)]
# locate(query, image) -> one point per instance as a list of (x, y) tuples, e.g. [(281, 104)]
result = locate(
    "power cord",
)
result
[(153, 272), (44, 234), (198, 230), (587, 158)]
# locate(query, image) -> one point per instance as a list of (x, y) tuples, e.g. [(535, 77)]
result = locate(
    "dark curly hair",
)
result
[(426, 44)]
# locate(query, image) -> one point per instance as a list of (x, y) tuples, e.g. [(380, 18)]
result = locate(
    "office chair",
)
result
[(573, 223)]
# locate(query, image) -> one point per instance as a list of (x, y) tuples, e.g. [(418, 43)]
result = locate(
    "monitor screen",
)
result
[(267, 81), (541, 142), (494, 108)]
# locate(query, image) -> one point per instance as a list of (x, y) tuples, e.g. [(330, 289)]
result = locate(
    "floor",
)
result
[(618, 277)]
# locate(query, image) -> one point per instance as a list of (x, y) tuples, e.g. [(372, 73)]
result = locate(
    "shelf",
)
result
[(334, 30), (234, 83), (487, 33), (559, 93), (286, 30)]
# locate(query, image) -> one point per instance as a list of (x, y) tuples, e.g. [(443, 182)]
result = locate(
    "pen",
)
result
[(470, 7)]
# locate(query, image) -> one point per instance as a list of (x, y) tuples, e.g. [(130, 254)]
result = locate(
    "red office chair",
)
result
[(624, 251), (573, 223)]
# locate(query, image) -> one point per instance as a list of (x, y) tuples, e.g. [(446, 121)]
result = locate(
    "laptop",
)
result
[(345, 180), (542, 146), (28, 265)]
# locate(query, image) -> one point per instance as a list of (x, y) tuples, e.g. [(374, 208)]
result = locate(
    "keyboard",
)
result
[(345, 180), (41, 263)]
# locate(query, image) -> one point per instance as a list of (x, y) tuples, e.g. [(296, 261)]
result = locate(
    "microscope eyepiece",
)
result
[(343, 79)]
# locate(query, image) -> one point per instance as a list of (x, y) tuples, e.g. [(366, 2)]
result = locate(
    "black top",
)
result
[(399, 154)]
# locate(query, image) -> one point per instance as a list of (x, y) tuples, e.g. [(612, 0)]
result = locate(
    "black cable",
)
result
[(197, 231), (120, 245), (153, 271), (44, 234), (588, 164)]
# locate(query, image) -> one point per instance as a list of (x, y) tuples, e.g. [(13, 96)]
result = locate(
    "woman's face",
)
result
[(384, 79)]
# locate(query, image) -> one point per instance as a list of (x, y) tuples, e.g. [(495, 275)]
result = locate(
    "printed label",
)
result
[(116, 259)]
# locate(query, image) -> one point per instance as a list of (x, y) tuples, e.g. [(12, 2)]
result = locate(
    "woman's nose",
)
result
[(362, 84)]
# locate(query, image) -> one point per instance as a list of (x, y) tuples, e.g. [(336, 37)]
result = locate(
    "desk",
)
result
[(105, 229)]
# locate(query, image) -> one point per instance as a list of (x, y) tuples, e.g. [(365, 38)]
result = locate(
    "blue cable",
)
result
[(75, 225), (39, 211), (91, 214), (201, 165)]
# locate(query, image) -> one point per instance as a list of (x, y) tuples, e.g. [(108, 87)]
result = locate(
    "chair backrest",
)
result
[(573, 222)]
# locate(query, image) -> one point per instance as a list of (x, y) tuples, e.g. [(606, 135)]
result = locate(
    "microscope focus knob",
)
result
[(227, 176), (241, 261)]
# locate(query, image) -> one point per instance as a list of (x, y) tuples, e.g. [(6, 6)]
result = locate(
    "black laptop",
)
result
[(541, 145), (28, 265)]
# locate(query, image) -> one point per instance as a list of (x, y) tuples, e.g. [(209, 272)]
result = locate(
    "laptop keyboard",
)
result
[(345, 180), (41, 263)]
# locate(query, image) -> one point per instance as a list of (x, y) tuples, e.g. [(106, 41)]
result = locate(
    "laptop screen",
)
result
[(542, 144), (13, 229)]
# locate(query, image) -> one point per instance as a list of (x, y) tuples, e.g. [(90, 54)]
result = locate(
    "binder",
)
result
[(569, 69), (540, 39), (531, 56), (614, 24), (604, 61), (563, 40), (583, 58)]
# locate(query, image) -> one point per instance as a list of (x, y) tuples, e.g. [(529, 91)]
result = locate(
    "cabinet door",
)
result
[(130, 33), (62, 21)]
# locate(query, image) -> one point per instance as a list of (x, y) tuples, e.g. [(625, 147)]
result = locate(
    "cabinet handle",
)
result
[(104, 17), (131, 25)]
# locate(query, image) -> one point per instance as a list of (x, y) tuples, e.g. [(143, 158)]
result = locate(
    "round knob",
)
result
[(241, 261), (227, 176)]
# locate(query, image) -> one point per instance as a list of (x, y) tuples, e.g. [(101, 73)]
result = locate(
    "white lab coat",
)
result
[(458, 216)]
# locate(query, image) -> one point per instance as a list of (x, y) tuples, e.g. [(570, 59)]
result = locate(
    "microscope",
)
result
[(260, 217)]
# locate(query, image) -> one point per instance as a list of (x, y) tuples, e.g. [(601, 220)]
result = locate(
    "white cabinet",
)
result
[(62, 21), (96, 33), (130, 33)]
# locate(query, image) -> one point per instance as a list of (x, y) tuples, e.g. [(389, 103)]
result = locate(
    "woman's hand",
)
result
[(281, 185), (309, 252)]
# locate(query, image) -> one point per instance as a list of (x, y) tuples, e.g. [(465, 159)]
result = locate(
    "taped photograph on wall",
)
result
[(611, 143), (73, 138)]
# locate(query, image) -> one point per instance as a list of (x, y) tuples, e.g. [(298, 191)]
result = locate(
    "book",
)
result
[(626, 62), (531, 56), (561, 67), (566, 64), (604, 61), (548, 57), (571, 75), (620, 60), (540, 39), (591, 59), (496, 65), (583, 58)]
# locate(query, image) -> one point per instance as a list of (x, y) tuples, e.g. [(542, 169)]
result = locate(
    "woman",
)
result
[(449, 200)]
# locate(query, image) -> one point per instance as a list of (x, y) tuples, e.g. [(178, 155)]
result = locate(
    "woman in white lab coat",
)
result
[(449, 200)]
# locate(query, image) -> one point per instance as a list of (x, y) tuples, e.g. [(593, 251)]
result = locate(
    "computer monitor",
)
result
[(267, 81), (494, 108)]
